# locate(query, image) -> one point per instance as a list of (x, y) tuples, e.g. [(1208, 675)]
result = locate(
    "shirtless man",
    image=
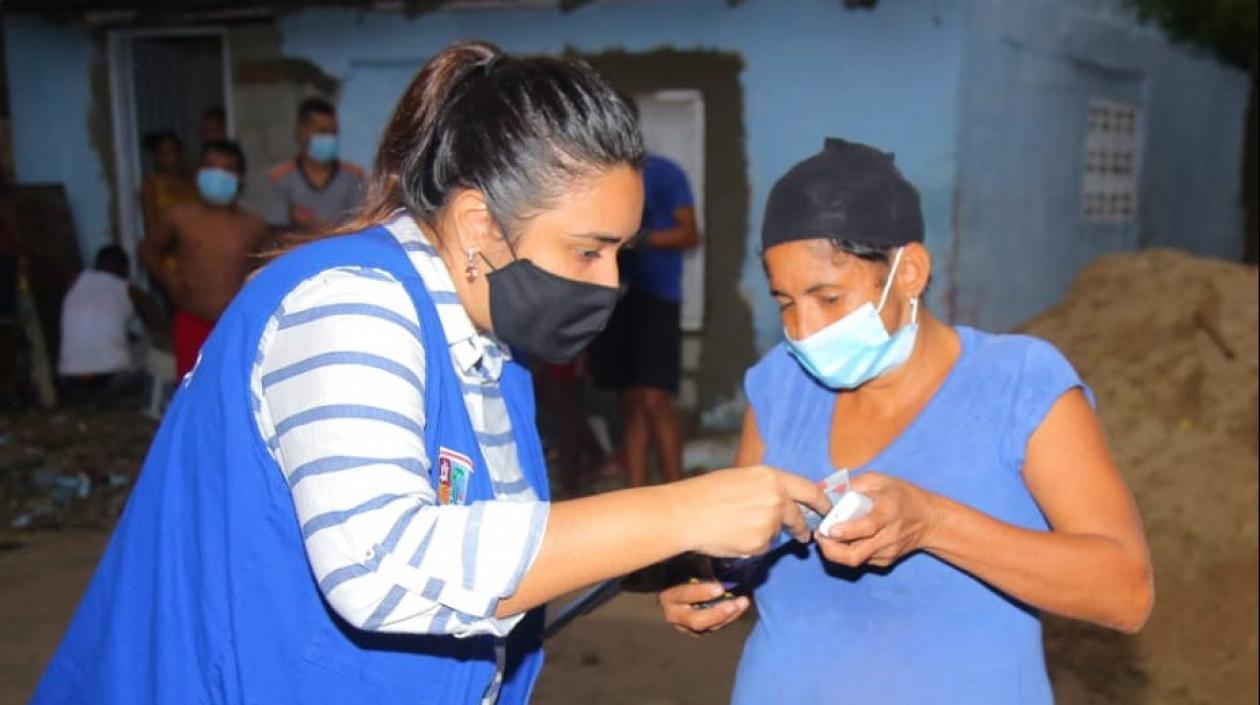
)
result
[(201, 251)]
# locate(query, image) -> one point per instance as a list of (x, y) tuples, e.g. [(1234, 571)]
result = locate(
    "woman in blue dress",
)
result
[(346, 501), (994, 495)]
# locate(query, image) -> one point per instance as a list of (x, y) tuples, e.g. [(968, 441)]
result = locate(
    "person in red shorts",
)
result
[(574, 452), (201, 251)]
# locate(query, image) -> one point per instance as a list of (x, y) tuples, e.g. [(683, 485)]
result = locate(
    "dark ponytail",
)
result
[(520, 130)]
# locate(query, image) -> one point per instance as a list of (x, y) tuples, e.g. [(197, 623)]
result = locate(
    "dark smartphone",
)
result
[(732, 573)]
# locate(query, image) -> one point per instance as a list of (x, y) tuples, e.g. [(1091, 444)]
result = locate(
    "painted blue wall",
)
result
[(812, 69), (1191, 185), (983, 102), (1029, 71), (50, 97)]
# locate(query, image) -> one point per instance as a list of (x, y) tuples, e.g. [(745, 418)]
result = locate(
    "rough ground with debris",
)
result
[(1168, 342), (64, 476)]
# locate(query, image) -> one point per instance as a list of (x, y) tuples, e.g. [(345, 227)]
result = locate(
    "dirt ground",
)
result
[(1168, 343)]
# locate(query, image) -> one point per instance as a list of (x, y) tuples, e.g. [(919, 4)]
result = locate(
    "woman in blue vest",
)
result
[(994, 497), (346, 501)]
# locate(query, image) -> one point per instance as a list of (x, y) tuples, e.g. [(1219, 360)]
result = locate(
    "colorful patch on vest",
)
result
[(454, 476)]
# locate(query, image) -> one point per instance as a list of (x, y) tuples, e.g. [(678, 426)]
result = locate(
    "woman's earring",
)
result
[(471, 270)]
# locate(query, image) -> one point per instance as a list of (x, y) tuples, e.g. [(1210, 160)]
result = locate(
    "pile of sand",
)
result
[(1169, 344)]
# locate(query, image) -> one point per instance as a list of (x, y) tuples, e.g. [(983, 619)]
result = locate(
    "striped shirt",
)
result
[(338, 387)]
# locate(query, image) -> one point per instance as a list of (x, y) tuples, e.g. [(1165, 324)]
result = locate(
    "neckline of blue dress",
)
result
[(965, 348)]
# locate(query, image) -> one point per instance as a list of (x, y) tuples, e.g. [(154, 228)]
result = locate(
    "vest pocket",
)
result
[(368, 667)]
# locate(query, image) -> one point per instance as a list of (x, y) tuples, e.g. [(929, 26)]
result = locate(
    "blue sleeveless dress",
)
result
[(922, 631), (204, 595)]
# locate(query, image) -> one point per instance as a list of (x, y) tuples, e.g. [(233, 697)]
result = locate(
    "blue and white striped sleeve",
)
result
[(339, 391)]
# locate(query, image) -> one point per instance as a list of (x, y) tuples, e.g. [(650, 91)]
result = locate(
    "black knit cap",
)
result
[(848, 191)]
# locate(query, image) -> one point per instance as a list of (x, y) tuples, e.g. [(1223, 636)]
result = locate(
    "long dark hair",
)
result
[(520, 130)]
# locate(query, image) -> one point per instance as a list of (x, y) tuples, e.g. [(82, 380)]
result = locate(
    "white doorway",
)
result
[(161, 79)]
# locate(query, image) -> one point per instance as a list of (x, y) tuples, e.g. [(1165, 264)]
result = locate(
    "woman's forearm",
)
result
[(1089, 577), (595, 538), (732, 512)]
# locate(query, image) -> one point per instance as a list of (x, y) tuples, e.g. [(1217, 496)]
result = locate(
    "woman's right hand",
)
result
[(679, 603), (737, 512)]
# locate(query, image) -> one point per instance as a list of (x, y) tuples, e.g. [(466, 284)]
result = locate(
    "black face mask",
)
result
[(545, 315)]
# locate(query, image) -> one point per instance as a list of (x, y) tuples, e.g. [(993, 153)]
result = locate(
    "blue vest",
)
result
[(204, 594)]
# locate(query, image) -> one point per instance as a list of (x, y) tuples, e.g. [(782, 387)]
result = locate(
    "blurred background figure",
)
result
[(639, 353), (212, 126), (315, 189), (169, 183), (212, 241), (575, 456), (96, 357)]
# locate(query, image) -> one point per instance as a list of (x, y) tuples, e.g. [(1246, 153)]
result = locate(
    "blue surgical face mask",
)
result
[(857, 348), (322, 148), (217, 186)]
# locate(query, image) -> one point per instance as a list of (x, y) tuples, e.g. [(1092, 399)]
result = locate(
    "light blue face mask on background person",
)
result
[(857, 348), (322, 148), (218, 186)]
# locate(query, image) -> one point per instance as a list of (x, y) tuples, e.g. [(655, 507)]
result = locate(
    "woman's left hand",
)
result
[(901, 520)]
